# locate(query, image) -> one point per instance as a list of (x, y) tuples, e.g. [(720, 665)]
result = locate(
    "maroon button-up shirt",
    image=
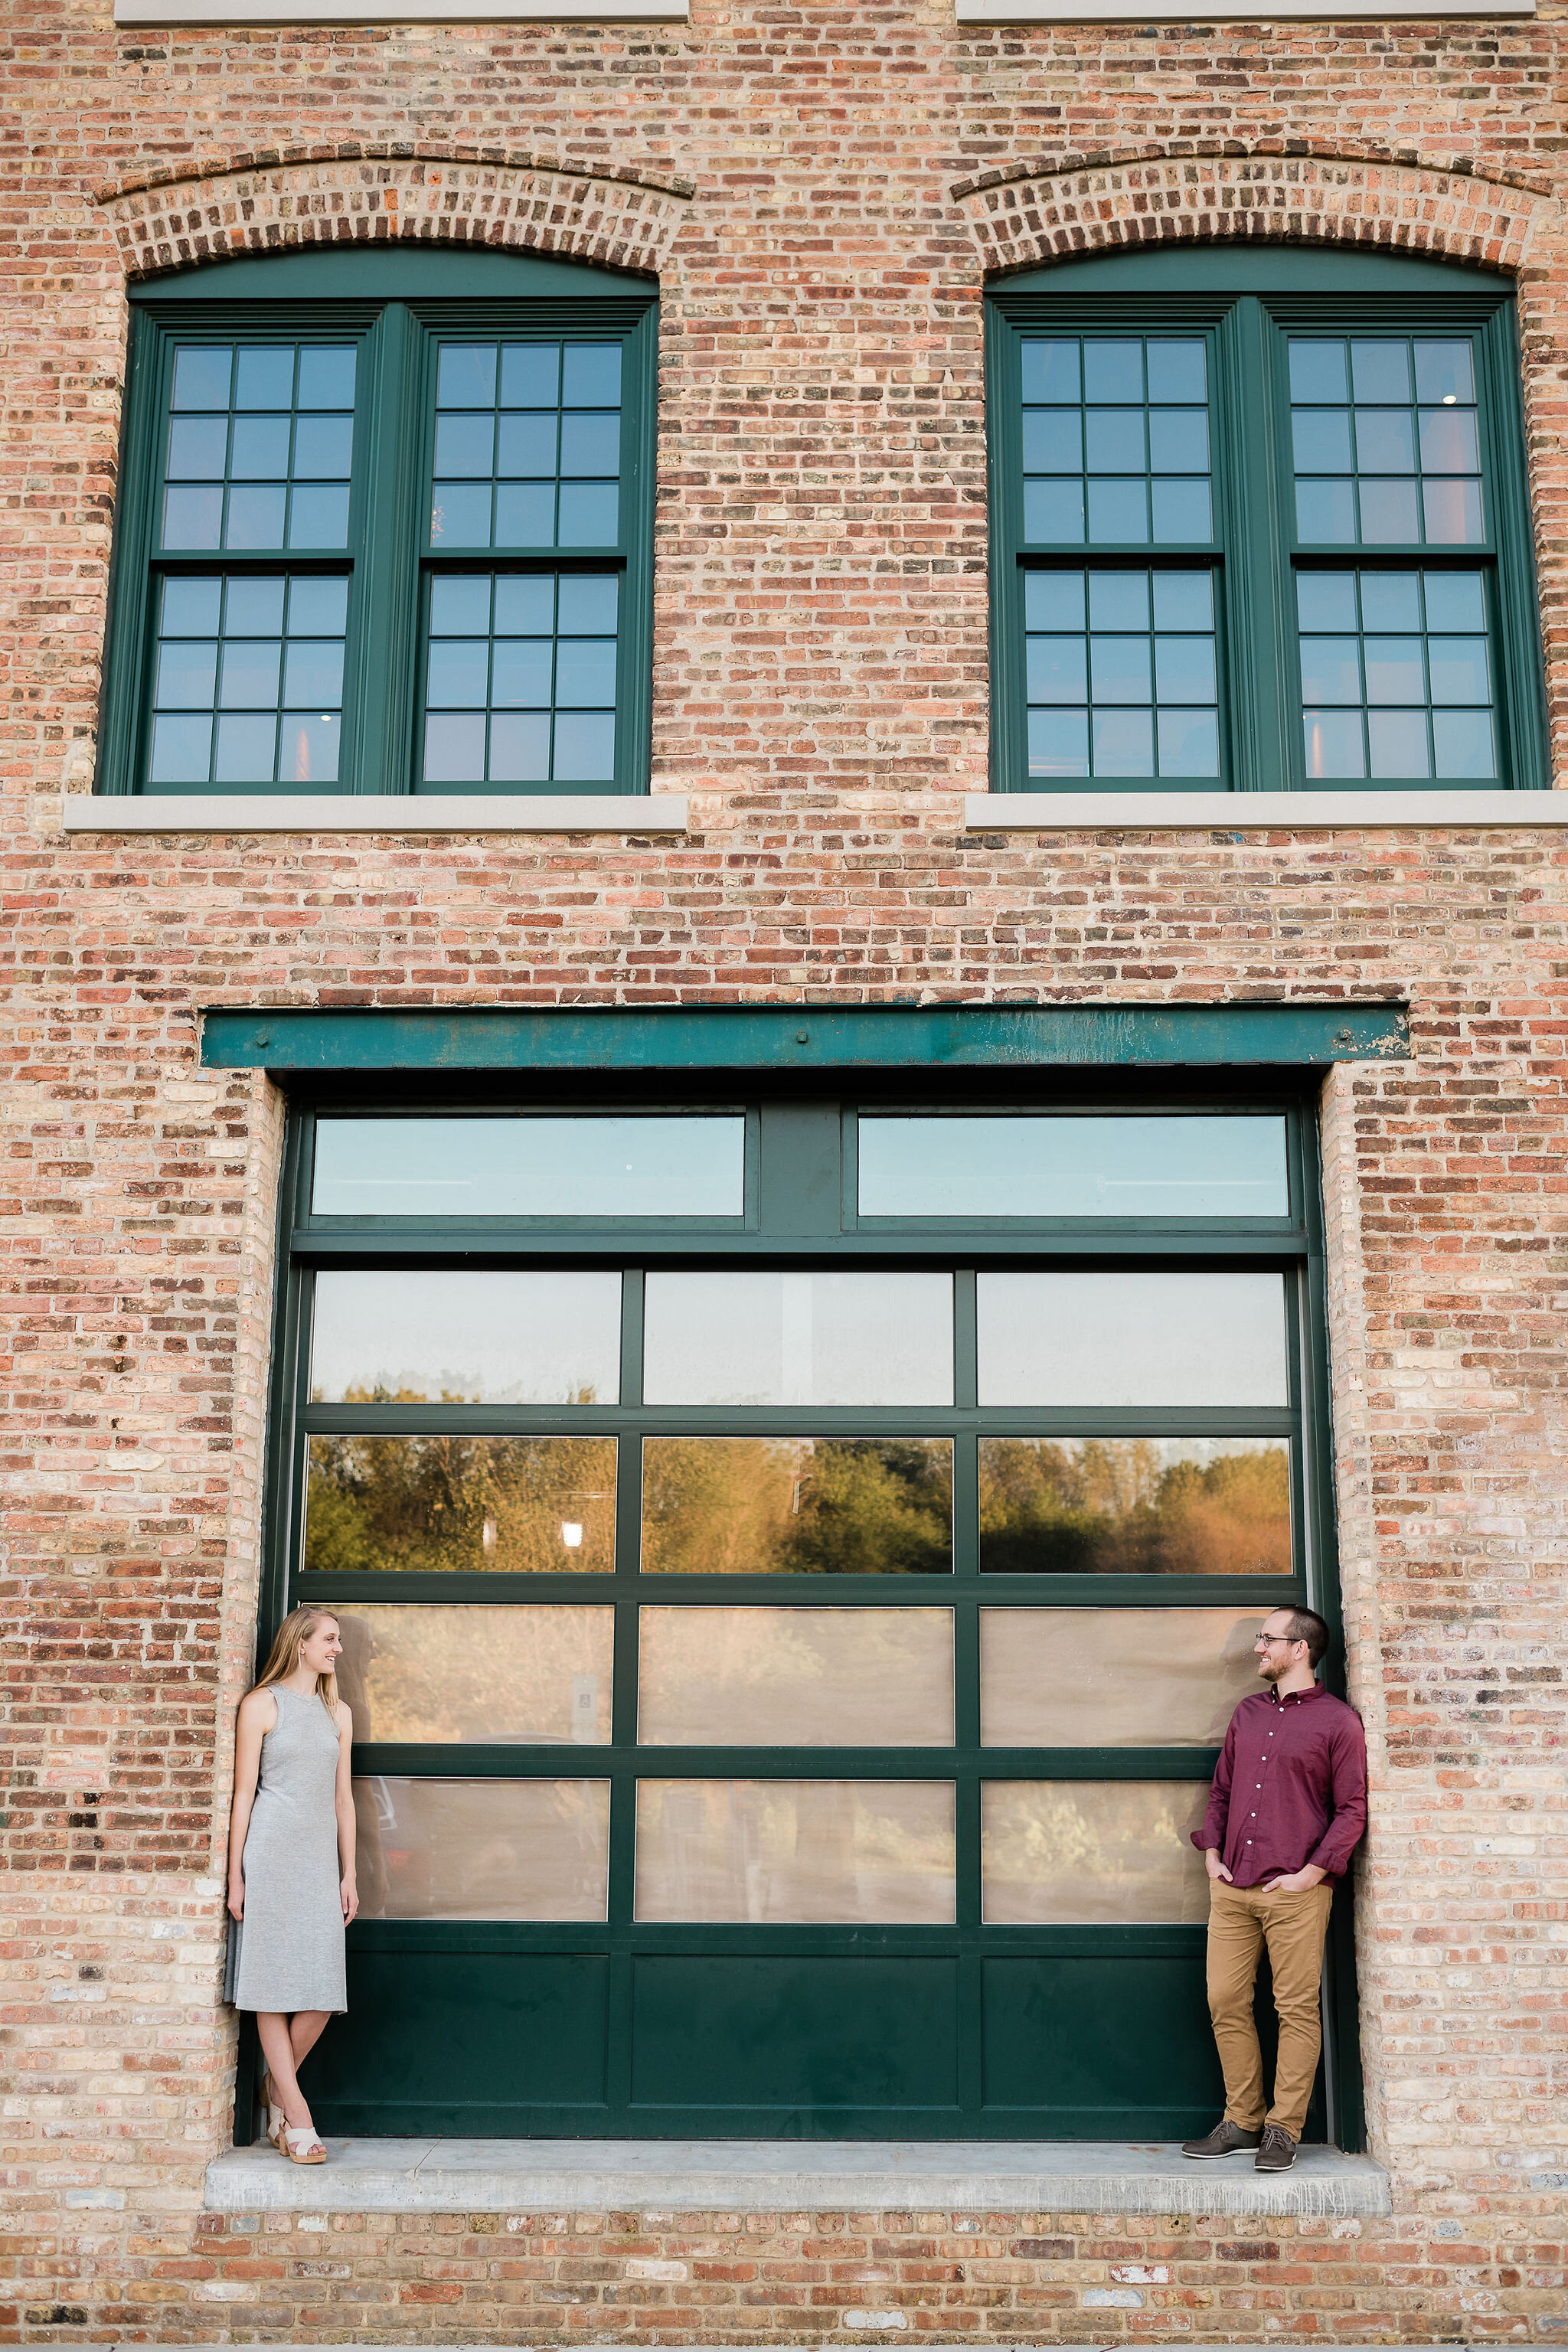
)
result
[(1290, 1787)]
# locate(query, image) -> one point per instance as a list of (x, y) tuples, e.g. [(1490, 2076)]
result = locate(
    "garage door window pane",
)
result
[(797, 1505), (1114, 1677), (433, 1675), (521, 1505), (1131, 1339), (795, 1677), (868, 1853), (482, 1849), (438, 1338), (799, 1338), (560, 1167), (1062, 1853), (1135, 1506)]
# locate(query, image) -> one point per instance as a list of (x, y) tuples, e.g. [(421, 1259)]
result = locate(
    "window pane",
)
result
[(1390, 688), (1395, 442), (1132, 448), (520, 1506), (798, 1339), (498, 640), (258, 644), (795, 1677), (550, 418), (1135, 1506), (530, 1168), (531, 1674), (1057, 1854), (1128, 1340), (1114, 1677), (797, 1505), (440, 1337), (1096, 675), (1025, 1166), (483, 1849), (292, 423), (874, 1853)]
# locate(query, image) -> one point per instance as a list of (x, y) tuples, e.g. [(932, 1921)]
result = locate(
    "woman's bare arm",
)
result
[(258, 1713), (344, 1799)]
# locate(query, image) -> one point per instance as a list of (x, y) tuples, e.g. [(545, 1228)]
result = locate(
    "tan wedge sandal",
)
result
[(302, 2144), (274, 2114)]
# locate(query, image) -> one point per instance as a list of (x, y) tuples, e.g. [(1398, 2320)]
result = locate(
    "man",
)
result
[(1286, 1808)]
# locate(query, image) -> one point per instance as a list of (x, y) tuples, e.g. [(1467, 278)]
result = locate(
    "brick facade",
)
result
[(821, 191)]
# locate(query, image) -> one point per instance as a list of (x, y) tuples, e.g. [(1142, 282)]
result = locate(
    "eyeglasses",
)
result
[(1264, 1640)]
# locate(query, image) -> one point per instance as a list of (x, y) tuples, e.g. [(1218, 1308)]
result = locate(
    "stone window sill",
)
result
[(1259, 811), (500, 2175), (1229, 12), (237, 13), (389, 812)]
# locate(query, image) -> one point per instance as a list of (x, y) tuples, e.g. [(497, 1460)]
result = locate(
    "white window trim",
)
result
[(400, 812), (1259, 811), (1229, 12), (237, 12)]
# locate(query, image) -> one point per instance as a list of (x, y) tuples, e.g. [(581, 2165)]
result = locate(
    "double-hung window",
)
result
[(385, 528), (1259, 522)]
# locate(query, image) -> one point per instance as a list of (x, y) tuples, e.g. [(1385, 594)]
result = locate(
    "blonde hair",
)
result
[(284, 1655)]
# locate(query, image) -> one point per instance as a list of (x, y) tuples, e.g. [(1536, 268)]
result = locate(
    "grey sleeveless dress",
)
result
[(291, 1938)]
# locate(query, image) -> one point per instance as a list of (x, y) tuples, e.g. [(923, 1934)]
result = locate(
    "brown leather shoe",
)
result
[(1226, 2139), (1278, 2153)]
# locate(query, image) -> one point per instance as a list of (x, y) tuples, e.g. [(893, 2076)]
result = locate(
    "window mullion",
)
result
[(1258, 666), (388, 484)]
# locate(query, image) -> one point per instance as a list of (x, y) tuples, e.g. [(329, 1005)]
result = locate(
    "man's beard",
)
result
[(1270, 1670)]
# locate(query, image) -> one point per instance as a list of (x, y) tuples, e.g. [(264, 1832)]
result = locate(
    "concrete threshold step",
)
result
[(585, 2176)]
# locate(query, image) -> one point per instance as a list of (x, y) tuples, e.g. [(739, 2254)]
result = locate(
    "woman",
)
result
[(291, 1861)]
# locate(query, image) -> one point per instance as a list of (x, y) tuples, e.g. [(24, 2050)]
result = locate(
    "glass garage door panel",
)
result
[(434, 1336), (1080, 1340), (482, 1849), (1114, 1677), (447, 1502), (797, 1505), (561, 1168), (526, 1675), (798, 1339), (795, 1677), (865, 1852), (1063, 1854), (1135, 1506), (1007, 1164)]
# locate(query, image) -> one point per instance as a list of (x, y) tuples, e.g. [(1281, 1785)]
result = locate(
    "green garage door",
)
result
[(796, 1562)]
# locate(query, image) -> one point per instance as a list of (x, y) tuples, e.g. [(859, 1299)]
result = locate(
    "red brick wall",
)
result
[(821, 189)]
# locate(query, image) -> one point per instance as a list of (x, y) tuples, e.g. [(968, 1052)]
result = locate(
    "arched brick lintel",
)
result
[(1284, 199), (521, 205)]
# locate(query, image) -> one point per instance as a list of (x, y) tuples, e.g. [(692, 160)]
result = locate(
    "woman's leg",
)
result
[(278, 2049), (305, 2030)]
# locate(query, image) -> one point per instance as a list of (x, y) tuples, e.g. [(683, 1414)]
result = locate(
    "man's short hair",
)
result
[(1306, 1626)]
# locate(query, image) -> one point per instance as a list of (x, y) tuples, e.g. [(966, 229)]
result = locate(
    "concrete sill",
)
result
[(1356, 812), (396, 813), (237, 13), (1228, 11), (582, 2175)]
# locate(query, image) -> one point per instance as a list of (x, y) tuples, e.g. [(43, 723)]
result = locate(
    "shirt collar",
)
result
[(1292, 1696)]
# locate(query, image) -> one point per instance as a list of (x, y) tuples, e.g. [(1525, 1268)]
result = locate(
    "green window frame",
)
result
[(649, 2025), (292, 610), (1362, 608)]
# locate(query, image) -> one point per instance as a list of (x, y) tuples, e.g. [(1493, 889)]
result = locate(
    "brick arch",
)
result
[(1033, 214), (626, 220)]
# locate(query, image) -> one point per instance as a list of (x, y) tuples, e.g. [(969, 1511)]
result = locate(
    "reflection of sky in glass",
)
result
[(1120, 681), (1115, 440), (526, 1167), (1386, 436), (1128, 1340), (527, 445), (798, 1339), (248, 685), (260, 444), (519, 681), (1018, 1165), (433, 1334), (1396, 675)]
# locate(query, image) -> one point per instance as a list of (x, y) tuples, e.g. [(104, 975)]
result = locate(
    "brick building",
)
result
[(819, 505)]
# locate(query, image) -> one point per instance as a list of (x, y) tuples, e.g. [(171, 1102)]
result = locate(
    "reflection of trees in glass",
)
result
[(801, 1506), (480, 1674), (1120, 1506), (456, 1502)]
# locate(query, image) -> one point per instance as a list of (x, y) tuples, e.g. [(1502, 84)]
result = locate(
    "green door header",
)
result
[(775, 1037)]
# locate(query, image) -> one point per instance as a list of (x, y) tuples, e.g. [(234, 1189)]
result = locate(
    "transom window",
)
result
[(1186, 450), (796, 1562), (385, 530)]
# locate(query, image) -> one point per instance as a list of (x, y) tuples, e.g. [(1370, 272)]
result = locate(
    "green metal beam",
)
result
[(777, 1037)]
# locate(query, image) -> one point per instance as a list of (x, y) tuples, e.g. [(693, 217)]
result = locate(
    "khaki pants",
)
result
[(1241, 1921)]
